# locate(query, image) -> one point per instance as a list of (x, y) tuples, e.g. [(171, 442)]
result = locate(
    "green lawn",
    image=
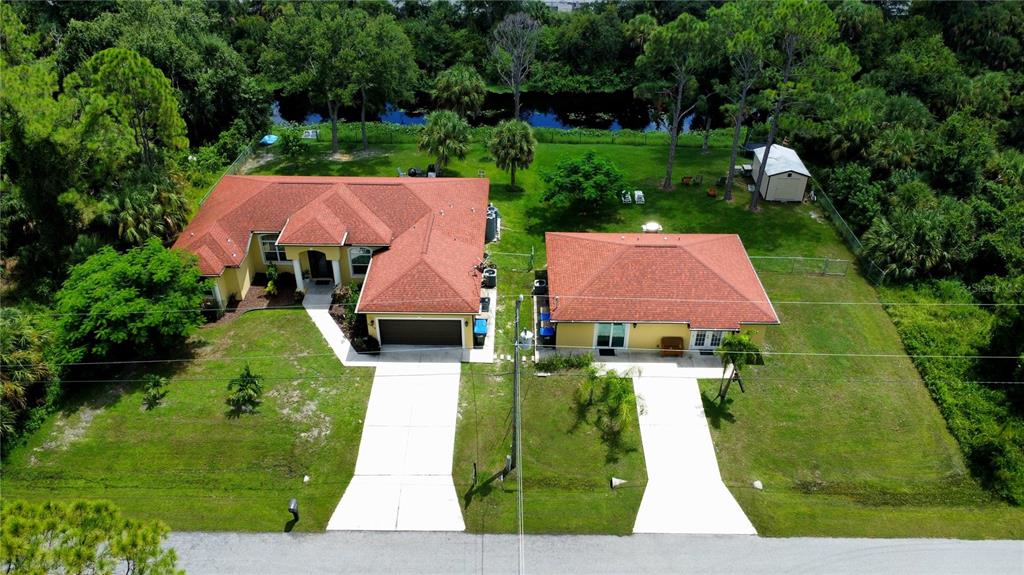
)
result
[(189, 462), (566, 467)]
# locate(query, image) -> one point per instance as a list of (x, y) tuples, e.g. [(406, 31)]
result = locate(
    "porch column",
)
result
[(336, 268), (298, 273)]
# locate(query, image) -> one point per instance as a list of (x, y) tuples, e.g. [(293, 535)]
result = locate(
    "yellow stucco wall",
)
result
[(574, 335), (648, 335), (467, 323), (645, 336)]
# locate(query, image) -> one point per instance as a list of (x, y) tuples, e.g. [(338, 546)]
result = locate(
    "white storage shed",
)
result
[(785, 177)]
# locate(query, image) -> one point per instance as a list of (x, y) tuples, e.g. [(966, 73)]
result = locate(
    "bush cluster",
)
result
[(980, 416), (559, 362)]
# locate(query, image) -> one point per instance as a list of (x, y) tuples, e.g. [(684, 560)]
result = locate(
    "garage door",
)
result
[(420, 331)]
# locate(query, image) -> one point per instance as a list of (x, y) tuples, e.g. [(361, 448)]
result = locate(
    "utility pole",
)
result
[(515, 390)]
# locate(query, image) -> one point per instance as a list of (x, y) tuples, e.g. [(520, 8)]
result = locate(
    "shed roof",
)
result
[(781, 160)]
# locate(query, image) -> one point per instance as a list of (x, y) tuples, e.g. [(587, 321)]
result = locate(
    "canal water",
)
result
[(612, 111)]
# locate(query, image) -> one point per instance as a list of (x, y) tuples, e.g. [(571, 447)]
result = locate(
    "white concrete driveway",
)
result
[(684, 493), (403, 479)]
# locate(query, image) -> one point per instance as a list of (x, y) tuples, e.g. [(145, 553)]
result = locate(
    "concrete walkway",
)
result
[(684, 493), (368, 553), (403, 478)]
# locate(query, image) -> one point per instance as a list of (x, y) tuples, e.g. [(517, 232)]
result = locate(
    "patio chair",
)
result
[(626, 198), (481, 174), (401, 174), (640, 199), (721, 181), (687, 180), (699, 180)]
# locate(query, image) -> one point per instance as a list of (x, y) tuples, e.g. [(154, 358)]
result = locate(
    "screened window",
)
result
[(359, 260), (272, 253)]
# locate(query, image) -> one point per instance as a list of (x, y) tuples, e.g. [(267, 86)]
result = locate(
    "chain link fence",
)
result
[(801, 265), (868, 268), (233, 169)]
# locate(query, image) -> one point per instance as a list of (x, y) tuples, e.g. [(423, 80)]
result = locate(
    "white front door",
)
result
[(706, 338), (610, 335)]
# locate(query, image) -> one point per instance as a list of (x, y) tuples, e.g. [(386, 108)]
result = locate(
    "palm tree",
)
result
[(22, 365), (460, 88), (512, 145), (446, 136), (737, 350)]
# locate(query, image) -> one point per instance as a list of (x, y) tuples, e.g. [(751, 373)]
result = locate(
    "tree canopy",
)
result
[(141, 302)]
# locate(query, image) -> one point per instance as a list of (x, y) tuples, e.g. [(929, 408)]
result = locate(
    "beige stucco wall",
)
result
[(467, 323), (780, 188)]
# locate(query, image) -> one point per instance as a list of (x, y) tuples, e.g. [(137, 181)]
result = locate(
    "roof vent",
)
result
[(651, 228)]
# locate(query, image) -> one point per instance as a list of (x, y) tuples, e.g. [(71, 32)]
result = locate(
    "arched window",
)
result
[(359, 260)]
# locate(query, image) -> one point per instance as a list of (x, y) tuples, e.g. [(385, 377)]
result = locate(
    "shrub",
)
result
[(155, 390), (291, 143), (271, 279), (246, 391), (558, 362)]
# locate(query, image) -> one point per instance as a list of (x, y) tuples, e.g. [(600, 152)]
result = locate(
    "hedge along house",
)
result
[(414, 244), (785, 176), (629, 291)]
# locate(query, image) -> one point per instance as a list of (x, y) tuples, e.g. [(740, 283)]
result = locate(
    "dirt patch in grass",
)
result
[(303, 412)]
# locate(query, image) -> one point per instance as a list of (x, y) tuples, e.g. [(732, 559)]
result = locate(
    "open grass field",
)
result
[(191, 463), (845, 446)]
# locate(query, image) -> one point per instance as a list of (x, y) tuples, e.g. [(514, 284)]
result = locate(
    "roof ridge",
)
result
[(374, 222), (727, 282), (443, 278), (611, 261)]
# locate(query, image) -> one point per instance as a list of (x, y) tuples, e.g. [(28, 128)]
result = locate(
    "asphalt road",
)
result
[(455, 553)]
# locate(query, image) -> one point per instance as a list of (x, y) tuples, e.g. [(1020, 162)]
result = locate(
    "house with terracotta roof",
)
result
[(414, 244), (631, 291)]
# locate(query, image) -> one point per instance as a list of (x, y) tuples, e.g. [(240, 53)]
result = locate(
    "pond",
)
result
[(611, 111)]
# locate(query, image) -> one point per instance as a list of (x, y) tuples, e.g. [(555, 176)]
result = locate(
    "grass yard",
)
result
[(192, 464), (845, 446), (566, 467)]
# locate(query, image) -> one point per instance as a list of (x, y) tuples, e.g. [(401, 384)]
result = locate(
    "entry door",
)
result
[(319, 267), (706, 338), (611, 335)]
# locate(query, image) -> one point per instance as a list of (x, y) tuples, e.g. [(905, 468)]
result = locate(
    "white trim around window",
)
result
[(355, 252), (270, 247)]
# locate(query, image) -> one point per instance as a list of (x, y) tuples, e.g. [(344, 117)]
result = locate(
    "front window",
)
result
[(359, 260), (272, 253)]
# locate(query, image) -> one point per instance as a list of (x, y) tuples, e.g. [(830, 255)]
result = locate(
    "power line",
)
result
[(567, 296)]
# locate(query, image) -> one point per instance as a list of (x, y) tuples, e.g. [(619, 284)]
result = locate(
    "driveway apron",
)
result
[(684, 493)]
